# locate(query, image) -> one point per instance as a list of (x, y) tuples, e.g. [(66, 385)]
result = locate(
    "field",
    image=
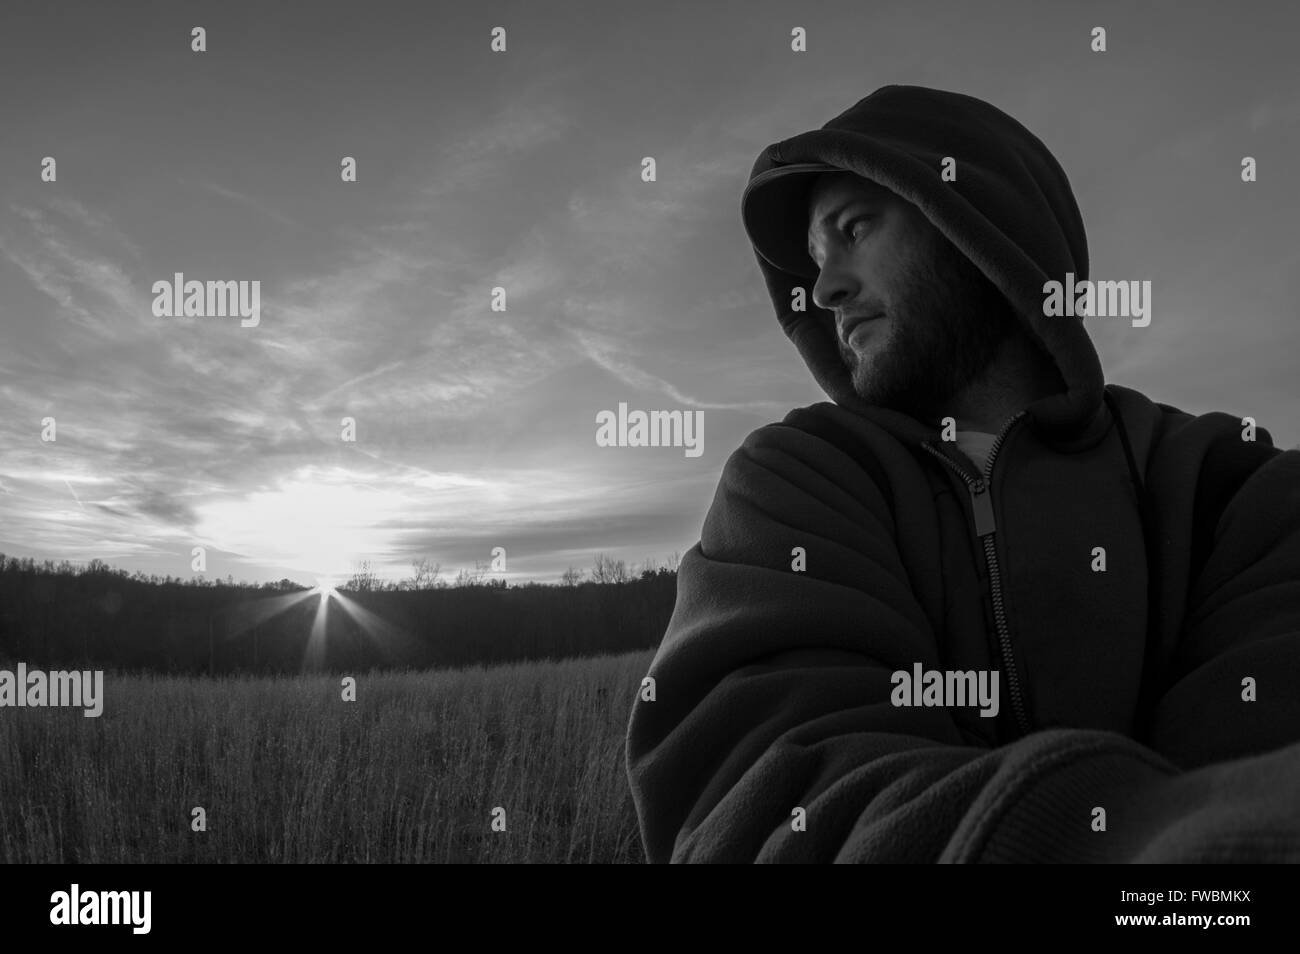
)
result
[(288, 772)]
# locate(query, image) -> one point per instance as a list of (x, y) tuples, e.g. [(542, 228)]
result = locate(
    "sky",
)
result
[(474, 428)]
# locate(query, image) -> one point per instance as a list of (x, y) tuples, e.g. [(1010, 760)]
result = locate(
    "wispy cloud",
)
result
[(481, 156), (261, 206), (610, 355), (89, 287)]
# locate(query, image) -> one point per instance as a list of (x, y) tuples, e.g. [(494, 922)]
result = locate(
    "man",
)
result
[(983, 607)]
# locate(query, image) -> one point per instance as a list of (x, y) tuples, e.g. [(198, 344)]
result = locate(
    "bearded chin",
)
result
[(946, 325), (928, 360), (905, 375)]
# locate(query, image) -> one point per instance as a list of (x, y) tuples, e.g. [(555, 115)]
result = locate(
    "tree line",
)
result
[(67, 616), (425, 574)]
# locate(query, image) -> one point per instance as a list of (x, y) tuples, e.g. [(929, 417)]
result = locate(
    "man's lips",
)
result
[(846, 330)]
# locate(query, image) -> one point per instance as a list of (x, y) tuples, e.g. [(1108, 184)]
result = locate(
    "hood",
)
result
[(1010, 211)]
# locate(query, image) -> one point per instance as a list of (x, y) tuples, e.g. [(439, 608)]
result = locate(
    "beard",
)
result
[(947, 323)]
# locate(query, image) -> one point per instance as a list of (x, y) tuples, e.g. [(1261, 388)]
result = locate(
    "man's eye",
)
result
[(851, 228), (848, 230)]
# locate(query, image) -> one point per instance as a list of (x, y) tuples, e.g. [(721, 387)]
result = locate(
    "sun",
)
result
[(324, 586), (317, 522)]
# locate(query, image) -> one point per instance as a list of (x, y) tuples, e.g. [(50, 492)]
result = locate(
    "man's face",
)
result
[(935, 321)]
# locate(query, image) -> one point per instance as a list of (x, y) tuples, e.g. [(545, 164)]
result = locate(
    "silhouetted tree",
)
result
[(425, 574), (606, 569), (363, 578)]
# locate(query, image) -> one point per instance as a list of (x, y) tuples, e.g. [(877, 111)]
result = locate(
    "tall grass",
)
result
[(288, 772)]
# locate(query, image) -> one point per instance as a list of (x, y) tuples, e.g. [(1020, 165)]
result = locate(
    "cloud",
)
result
[(477, 157), (262, 206), (608, 355), (89, 287)]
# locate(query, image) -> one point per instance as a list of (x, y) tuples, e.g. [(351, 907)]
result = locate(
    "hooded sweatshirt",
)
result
[(1130, 572)]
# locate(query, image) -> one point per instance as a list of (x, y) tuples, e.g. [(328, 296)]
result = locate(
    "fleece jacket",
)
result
[(1130, 571)]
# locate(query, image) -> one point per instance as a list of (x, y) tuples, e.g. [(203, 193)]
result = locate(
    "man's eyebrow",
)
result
[(835, 213)]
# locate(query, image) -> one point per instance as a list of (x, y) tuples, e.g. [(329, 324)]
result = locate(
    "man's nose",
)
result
[(835, 284)]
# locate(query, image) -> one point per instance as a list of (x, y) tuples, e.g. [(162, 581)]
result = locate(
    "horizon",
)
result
[(630, 573)]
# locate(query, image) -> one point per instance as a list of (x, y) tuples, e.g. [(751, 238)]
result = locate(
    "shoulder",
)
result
[(826, 441), (819, 462), (1200, 467), (1191, 443)]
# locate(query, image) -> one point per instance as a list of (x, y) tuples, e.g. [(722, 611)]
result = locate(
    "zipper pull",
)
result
[(982, 505)]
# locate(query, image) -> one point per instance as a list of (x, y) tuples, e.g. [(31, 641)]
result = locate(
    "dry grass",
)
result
[(287, 772)]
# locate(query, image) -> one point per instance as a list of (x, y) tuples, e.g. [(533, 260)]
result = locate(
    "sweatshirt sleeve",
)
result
[(1227, 719), (771, 736)]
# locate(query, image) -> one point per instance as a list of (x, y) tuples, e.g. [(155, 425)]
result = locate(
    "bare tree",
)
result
[(425, 574), (363, 579), (473, 577), (606, 569), (571, 577)]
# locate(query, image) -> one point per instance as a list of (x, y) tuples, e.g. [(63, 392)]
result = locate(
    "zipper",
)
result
[(985, 528)]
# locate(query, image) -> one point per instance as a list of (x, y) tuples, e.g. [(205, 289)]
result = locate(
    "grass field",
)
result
[(288, 772)]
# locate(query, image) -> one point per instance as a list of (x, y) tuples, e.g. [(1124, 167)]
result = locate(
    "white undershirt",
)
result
[(976, 445)]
